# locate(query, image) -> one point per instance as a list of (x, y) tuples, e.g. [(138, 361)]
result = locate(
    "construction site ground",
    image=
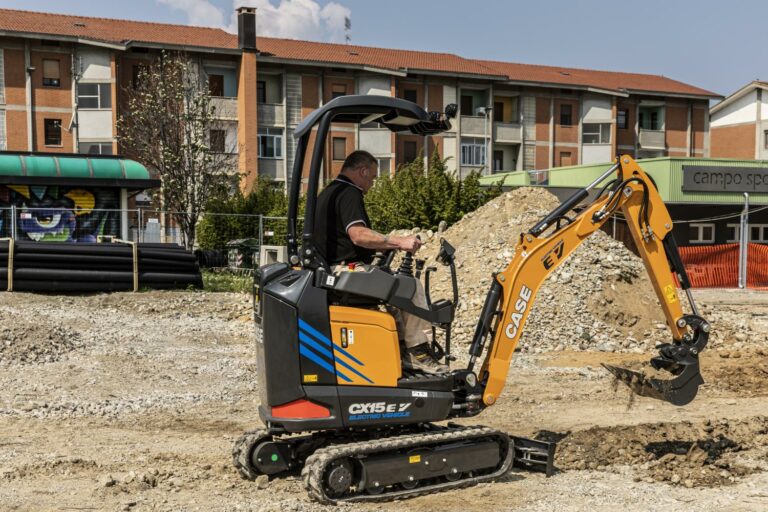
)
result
[(133, 401)]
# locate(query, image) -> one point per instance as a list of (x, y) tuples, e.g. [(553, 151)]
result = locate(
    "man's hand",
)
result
[(408, 243)]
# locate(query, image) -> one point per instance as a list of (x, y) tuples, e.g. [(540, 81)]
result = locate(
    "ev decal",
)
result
[(378, 410), (520, 306), (553, 255)]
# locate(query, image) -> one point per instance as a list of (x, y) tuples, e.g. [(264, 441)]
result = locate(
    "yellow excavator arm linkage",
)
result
[(538, 254)]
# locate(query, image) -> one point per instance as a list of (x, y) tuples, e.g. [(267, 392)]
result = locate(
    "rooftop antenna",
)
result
[(347, 29)]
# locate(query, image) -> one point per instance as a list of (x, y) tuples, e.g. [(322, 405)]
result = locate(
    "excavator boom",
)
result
[(542, 249)]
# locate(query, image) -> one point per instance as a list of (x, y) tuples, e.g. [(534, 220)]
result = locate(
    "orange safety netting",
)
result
[(717, 266)]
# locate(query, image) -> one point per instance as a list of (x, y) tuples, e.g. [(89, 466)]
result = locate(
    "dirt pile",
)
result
[(26, 342), (709, 453), (598, 299)]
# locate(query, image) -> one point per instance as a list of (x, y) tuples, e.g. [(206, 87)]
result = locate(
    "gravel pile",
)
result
[(29, 343), (599, 299)]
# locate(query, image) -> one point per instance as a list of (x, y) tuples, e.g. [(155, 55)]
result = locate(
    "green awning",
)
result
[(68, 169)]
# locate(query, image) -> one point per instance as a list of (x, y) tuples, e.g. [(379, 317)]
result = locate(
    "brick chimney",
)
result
[(246, 28), (247, 109)]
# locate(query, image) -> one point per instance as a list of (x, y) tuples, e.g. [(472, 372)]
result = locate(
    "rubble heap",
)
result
[(600, 298)]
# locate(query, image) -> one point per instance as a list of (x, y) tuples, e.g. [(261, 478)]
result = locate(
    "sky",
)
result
[(713, 44)]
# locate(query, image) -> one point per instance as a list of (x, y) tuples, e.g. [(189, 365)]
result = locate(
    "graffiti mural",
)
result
[(48, 213)]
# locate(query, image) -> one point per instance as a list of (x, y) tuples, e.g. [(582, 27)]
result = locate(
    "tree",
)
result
[(167, 125), (414, 198)]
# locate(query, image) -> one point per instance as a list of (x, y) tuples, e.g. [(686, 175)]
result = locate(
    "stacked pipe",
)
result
[(93, 267)]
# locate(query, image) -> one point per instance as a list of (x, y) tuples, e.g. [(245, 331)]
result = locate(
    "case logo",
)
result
[(521, 304)]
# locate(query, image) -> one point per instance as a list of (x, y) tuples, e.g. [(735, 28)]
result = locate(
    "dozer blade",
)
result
[(680, 390)]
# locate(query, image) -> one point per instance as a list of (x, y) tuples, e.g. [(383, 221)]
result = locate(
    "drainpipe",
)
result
[(30, 126), (75, 112), (744, 242)]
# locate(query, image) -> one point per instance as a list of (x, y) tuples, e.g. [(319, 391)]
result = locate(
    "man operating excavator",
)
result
[(344, 238)]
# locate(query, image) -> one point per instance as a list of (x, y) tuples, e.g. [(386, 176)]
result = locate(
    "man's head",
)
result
[(360, 167)]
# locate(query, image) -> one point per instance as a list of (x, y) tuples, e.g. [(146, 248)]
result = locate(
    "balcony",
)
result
[(226, 108), (474, 125), (271, 114), (652, 139), (507, 132)]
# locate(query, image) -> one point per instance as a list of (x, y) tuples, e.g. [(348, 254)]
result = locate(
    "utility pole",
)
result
[(744, 242)]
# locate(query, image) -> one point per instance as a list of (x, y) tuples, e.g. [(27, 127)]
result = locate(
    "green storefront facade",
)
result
[(67, 198), (705, 196)]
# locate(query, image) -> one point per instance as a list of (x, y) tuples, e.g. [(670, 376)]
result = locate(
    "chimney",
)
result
[(246, 28)]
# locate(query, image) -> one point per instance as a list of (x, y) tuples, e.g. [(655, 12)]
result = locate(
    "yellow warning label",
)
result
[(310, 378), (669, 293), (413, 459)]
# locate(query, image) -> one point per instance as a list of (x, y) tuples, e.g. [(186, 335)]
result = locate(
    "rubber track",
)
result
[(241, 453), (315, 465)]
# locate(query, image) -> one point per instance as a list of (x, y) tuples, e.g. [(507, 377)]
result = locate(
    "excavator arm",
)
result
[(542, 249)]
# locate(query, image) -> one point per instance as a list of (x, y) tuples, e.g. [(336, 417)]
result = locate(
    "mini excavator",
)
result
[(336, 403)]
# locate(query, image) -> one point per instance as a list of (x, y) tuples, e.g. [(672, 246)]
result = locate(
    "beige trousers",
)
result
[(410, 328)]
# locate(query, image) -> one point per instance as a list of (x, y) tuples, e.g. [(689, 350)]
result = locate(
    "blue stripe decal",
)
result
[(319, 348), (345, 365), (321, 337), (306, 352), (314, 332)]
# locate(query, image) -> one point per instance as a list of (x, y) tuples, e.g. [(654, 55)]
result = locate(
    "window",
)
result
[(498, 160), (650, 118), (734, 233), (94, 96), (410, 151), (410, 95), (53, 132), (261, 91), (473, 151), (596, 133), (622, 119), (498, 112), (216, 85), (385, 166), (95, 148), (271, 143), (338, 90), (218, 141), (701, 233), (466, 105), (765, 139), (339, 148), (51, 73), (758, 233), (566, 114)]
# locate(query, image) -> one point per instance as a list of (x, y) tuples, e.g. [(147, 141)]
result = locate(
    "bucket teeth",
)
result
[(677, 391)]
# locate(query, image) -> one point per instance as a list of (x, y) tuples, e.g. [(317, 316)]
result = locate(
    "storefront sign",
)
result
[(698, 178)]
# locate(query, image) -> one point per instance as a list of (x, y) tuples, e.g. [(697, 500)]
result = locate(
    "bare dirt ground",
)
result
[(133, 401)]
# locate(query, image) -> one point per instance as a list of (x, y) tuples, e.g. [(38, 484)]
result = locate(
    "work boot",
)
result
[(421, 358)]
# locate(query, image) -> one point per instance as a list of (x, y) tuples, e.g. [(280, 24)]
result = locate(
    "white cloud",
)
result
[(292, 19), (199, 12)]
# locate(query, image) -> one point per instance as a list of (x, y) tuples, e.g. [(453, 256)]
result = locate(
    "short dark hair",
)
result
[(358, 159)]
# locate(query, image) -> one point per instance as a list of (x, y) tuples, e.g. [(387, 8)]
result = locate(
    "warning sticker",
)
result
[(413, 459), (669, 293), (310, 378)]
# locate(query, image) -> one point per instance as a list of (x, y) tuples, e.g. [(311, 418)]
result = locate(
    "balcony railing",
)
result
[(226, 108), (474, 125), (271, 114), (652, 139), (507, 132)]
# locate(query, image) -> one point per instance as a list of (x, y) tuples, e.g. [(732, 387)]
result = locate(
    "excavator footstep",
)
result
[(680, 390)]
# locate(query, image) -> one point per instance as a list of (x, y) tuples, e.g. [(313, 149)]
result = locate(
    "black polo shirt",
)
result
[(340, 206)]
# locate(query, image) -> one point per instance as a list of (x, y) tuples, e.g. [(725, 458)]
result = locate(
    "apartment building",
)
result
[(62, 83), (740, 123)]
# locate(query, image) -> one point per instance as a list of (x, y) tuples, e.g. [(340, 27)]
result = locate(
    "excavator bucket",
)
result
[(680, 358)]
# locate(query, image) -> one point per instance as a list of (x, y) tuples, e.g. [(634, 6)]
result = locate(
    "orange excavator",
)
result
[(336, 404)]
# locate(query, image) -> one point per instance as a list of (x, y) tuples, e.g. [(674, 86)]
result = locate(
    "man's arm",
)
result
[(365, 237)]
